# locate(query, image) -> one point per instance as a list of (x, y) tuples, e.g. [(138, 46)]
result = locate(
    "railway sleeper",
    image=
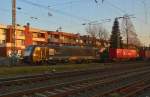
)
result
[(118, 89), (132, 87), (40, 95), (77, 89), (138, 91), (73, 89)]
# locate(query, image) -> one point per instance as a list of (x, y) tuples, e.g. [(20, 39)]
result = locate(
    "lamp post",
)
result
[(13, 61)]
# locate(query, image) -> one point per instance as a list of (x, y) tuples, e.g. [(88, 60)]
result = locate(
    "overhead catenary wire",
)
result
[(34, 18), (26, 14), (138, 19), (122, 11), (54, 10), (116, 7), (66, 3)]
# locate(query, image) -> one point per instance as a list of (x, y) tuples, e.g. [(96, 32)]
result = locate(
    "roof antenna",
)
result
[(96, 1), (102, 1)]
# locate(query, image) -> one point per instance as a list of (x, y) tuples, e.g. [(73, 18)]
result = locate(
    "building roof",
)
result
[(3, 26), (67, 34)]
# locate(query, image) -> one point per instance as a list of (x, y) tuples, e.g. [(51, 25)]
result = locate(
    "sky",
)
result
[(71, 14)]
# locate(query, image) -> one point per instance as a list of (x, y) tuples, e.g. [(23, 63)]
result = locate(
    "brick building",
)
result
[(92, 41), (63, 38), (26, 35)]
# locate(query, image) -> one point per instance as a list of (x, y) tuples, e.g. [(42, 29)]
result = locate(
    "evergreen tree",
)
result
[(115, 39)]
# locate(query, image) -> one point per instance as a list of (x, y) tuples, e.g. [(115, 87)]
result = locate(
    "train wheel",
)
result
[(50, 62), (79, 61)]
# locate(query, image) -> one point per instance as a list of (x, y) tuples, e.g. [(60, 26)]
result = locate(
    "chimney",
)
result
[(28, 24)]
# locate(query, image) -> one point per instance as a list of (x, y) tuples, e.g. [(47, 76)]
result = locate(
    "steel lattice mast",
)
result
[(128, 31)]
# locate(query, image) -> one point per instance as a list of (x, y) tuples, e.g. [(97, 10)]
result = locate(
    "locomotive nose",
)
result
[(26, 59)]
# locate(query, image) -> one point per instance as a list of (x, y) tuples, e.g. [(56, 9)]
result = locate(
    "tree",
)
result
[(102, 33), (91, 30), (115, 39), (97, 32)]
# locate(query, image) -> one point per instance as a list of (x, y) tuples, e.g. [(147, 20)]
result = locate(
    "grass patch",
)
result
[(115, 95), (23, 70)]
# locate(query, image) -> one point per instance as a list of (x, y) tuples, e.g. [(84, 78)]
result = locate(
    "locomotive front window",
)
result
[(28, 50)]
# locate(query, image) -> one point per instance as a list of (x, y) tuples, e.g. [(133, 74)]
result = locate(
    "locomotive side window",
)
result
[(51, 52), (37, 52)]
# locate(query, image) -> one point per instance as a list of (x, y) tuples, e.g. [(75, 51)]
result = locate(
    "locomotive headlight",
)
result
[(38, 48), (50, 58), (34, 54)]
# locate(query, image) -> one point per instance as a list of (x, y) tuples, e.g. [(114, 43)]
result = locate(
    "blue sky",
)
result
[(71, 14)]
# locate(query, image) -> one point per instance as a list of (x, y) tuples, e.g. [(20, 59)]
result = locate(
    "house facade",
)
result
[(26, 35)]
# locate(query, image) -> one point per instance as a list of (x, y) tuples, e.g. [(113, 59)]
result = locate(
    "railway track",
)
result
[(51, 76), (137, 89), (75, 90), (142, 92), (77, 86), (128, 90)]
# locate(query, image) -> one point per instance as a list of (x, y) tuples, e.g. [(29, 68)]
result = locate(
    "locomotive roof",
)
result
[(55, 46)]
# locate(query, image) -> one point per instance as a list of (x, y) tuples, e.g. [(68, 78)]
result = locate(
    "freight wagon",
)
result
[(112, 54), (123, 54), (144, 54)]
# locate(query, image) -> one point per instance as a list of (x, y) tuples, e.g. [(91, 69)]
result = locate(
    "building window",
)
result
[(2, 41), (19, 33), (49, 36), (4, 32), (20, 42), (35, 35), (23, 42), (34, 43), (41, 35)]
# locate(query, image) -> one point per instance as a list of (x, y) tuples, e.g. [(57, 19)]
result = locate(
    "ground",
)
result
[(24, 70)]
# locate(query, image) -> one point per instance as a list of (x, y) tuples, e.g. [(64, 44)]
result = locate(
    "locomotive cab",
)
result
[(38, 54), (43, 54)]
